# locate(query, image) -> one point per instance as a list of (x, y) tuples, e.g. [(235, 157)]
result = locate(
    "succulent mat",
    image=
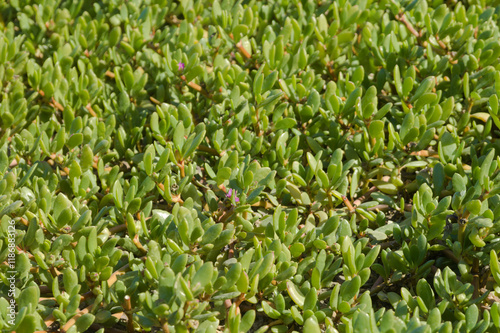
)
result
[(249, 166)]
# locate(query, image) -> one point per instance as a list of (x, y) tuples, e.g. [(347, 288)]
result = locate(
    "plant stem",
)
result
[(401, 18), (127, 306), (475, 278), (461, 232), (164, 326), (181, 166)]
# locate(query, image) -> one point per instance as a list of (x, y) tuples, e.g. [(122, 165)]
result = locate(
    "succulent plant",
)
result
[(250, 166)]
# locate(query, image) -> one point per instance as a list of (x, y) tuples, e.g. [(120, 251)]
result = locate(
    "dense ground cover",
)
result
[(246, 166)]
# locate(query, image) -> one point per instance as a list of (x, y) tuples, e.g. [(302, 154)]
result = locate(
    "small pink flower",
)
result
[(181, 66), (230, 193)]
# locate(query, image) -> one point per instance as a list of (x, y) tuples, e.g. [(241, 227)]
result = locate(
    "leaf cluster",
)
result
[(251, 166)]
